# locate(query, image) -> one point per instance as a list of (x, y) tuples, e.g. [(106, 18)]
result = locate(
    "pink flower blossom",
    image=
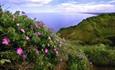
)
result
[(5, 41), (19, 51), (22, 30), (46, 50)]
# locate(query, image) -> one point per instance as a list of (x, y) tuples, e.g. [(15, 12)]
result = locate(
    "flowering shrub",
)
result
[(25, 40), (27, 44)]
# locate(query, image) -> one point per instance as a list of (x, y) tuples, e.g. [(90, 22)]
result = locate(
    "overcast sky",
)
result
[(61, 6)]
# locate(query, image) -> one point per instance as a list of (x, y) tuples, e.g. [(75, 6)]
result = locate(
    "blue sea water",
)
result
[(55, 21)]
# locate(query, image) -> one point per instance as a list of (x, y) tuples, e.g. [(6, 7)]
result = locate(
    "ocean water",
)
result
[(55, 21)]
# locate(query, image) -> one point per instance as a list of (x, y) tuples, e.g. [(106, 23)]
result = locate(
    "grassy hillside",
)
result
[(97, 29)]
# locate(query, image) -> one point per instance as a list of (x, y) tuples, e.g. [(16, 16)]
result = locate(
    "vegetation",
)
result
[(95, 36), (27, 44), (77, 60), (93, 30), (100, 55), (24, 41)]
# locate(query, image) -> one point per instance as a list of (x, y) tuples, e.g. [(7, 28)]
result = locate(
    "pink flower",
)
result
[(46, 50), (19, 51), (22, 30), (5, 41)]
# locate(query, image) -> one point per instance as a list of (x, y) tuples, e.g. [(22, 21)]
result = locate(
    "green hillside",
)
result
[(96, 29)]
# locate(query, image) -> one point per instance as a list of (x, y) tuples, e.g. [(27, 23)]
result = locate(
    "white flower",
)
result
[(18, 24), (27, 38)]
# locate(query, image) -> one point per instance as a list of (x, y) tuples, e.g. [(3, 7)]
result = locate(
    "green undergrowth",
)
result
[(100, 55), (97, 54), (76, 59)]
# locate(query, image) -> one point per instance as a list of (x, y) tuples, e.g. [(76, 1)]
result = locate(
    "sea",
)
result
[(56, 21)]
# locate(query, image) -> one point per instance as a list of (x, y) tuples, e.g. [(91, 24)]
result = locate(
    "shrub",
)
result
[(76, 59), (26, 41), (100, 55)]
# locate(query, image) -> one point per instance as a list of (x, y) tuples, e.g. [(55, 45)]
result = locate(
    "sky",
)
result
[(57, 14), (60, 6)]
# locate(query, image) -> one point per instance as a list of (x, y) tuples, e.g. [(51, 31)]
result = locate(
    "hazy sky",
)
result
[(63, 6)]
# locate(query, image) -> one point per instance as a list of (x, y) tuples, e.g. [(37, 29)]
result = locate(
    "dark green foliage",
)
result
[(33, 37), (75, 57), (100, 55), (97, 29)]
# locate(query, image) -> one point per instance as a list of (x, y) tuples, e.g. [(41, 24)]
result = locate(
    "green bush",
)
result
[(27, 41), (76, 59), (100, 55)]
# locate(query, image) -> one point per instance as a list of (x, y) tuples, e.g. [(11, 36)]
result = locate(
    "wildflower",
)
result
[(19, 51), (36, 50), (60, 43), (56, 51), (5, 41), (48, 44), (39, 24), (46, 50), (38, 34), (24, 57), (22, 30), (18, 24), (27, 38), (49, 38)]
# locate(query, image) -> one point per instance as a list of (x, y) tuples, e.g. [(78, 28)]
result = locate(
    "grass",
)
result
[(98, 54)]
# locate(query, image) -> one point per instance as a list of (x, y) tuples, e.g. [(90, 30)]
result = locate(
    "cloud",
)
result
[(39, 2), (46, 6), (29, 6), (89, 7), (112, 2)]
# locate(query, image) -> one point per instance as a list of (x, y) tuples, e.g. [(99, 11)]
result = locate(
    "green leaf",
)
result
[(2, 61)]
